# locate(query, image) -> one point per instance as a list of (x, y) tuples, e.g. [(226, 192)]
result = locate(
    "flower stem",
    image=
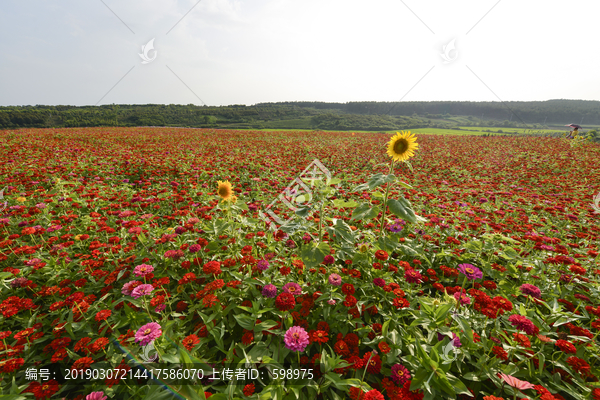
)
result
[(385, 199)]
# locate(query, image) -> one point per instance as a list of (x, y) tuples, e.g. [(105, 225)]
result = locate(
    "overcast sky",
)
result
[(221, 52)]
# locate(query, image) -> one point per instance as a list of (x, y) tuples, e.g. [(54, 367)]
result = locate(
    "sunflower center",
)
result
[(147, 331), (469, 270), (223, 191), (400, 146)]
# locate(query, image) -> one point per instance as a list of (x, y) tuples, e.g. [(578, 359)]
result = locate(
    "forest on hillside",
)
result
[(368, 116)]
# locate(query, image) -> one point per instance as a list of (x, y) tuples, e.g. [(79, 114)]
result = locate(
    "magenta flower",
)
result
[(464, 299), (148, 333), (335, 279), (269, 291), (296, 338), (194, 248), (470, 271), (292, 288), (400, 375), (328, 259), (96, 396), (160, 308), (531, 290), (143, 270), (263, 265), (379, 282), (142, 290)]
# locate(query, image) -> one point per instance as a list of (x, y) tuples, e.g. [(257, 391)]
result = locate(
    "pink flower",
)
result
[(296, 338), (96, 396), (126, 290), (335, 279), (531, 290), (516, 383), (292, 288), (143, 270), (470, 271), (142, 290), (464, 299), (148, 333)]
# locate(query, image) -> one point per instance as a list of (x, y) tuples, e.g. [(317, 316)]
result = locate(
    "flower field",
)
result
[(429, 267)]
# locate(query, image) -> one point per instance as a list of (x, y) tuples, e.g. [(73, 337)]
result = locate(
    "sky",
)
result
[(223, 52)]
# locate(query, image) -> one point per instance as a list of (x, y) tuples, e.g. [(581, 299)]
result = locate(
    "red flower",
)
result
[(190, 341), (384, 347), (373, 395), (500, 353), (347, 288), (82, 364), (350, 301), (248, 338), (341, 348), (285, 302), (212, 268), (412, 276), (381, 255), (43, 391), (566, 347), (373, 365), (249, 389), (11, 365), (103, 315), (319, 337), (579, 365)]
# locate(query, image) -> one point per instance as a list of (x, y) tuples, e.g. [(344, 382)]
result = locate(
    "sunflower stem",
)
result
[(385, 199)]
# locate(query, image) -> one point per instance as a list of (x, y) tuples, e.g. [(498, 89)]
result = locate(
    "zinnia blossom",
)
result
[(335, 279), (470, 271), (148, 333), (412, 276), (400, 375), (143, 270), (292, 288), (96, 396), (269, 291), (516, 383), (531, 290), (263, 265), (524, 324), (296, 338), (142, 290)]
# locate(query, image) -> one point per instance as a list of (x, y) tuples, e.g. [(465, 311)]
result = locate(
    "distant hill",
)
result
[(366, 116)]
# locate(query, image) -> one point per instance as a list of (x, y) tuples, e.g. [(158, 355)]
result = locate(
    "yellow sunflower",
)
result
[(402, 146), (224, 190)]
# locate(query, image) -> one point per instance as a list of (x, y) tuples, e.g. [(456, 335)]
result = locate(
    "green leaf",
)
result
[(364, 212), (403, 209), (314, 256), (340, 203), (374, 181), (245, 321)]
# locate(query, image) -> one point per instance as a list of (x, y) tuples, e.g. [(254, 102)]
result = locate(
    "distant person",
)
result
[(573, 132)]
